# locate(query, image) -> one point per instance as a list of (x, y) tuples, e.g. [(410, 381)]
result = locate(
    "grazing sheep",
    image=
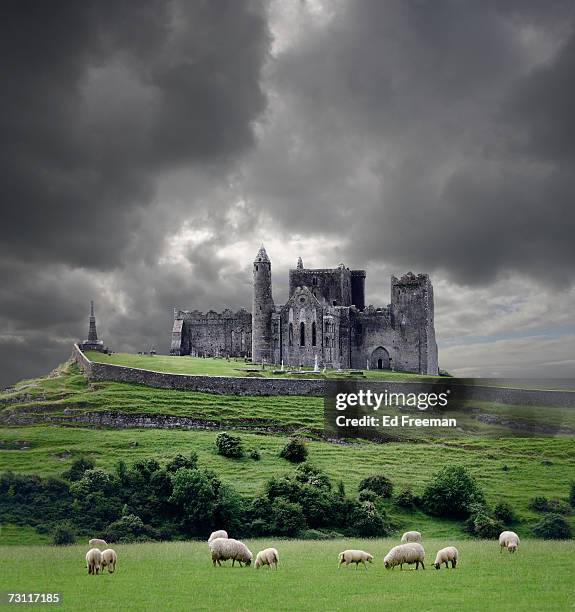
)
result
[(509, 540), (109, 559), (411, 536), (449, 553), (405, 553), (94, 560), (354, 556), (217, 534), (97, 543), (223, 549), (269, 556)]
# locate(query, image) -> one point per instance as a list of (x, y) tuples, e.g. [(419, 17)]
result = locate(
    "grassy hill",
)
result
[(512, 469)]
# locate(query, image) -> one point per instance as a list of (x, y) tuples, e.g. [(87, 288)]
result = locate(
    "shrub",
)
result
[(572, 494), (77, 469), (194, 496), (64, 534), (180, 461), (555, 506), (552, 527), (368, 495), (295, 451), (368, 521), (127, 529), (504, 512), (379, 484), (481, 525), (406, 499), (318, 534), (539, 504), (287, 519), (255, 454), (558, 506), (451, 493), (229, 446)]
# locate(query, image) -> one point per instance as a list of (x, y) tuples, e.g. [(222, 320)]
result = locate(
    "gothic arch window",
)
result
[(313, 334), (302, 334), (290, 334)]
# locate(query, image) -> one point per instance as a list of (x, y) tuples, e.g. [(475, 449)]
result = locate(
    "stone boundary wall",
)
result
[(230, 385)]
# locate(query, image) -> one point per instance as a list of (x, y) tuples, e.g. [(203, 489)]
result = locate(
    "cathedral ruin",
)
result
[(324, 321)]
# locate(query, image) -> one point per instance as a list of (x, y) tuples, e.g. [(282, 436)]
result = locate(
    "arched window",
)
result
[(290, 334), (302, 334), (313, 334)]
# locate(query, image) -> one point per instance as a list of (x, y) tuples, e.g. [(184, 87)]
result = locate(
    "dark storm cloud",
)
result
[(465, 118), (99, 102), (99, 98)]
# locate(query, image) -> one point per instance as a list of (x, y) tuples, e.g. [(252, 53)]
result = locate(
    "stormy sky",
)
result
[(148, 148)]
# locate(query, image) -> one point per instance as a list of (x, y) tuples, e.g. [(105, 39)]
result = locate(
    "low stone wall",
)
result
[(224, 385), (230, 385)]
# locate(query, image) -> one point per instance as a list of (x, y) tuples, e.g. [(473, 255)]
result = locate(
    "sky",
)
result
[(149, 147)]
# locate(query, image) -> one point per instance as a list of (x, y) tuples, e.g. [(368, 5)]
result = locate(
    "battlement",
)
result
[(410, 279)]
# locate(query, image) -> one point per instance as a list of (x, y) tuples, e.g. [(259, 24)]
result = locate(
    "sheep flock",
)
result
[(223, 548)]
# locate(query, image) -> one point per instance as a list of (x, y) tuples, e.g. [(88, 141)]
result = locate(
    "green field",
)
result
[(180, 576), (211, 366)]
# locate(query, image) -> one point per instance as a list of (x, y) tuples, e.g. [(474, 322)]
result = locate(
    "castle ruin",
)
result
[(325, 320)]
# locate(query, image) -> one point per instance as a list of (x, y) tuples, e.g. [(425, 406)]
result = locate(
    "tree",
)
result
[(451, 493), (193, 495)]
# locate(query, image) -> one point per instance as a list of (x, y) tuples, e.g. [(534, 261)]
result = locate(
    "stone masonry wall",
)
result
[(229, 385)]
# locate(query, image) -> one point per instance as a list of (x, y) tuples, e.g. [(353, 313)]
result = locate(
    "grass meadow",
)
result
[(180, 576)]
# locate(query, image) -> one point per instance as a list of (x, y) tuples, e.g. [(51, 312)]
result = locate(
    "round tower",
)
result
[(262, 308)]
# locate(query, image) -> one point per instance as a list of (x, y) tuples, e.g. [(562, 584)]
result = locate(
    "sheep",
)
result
[(223, 549), (509, 540), (269, 556), (354, 556), (449, 553), (97, 543), (217, 534), (405, 553), (109, 558), (411, 536), (94, 560)]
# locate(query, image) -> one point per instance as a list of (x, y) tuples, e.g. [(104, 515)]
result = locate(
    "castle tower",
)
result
[(262, 308)]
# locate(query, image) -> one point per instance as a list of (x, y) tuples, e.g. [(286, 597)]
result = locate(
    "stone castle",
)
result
[(324, 322)]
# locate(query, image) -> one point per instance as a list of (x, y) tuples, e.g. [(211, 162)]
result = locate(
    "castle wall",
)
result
[(212, 334)]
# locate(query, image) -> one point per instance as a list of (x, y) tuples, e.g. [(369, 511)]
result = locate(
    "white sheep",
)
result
[(354, 556), (405, 553), (217, 534), (109, 559), (94, 560), (97, 543), (411, 536), (449, 553), (223, 549), (509, 540), (269, 556)]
